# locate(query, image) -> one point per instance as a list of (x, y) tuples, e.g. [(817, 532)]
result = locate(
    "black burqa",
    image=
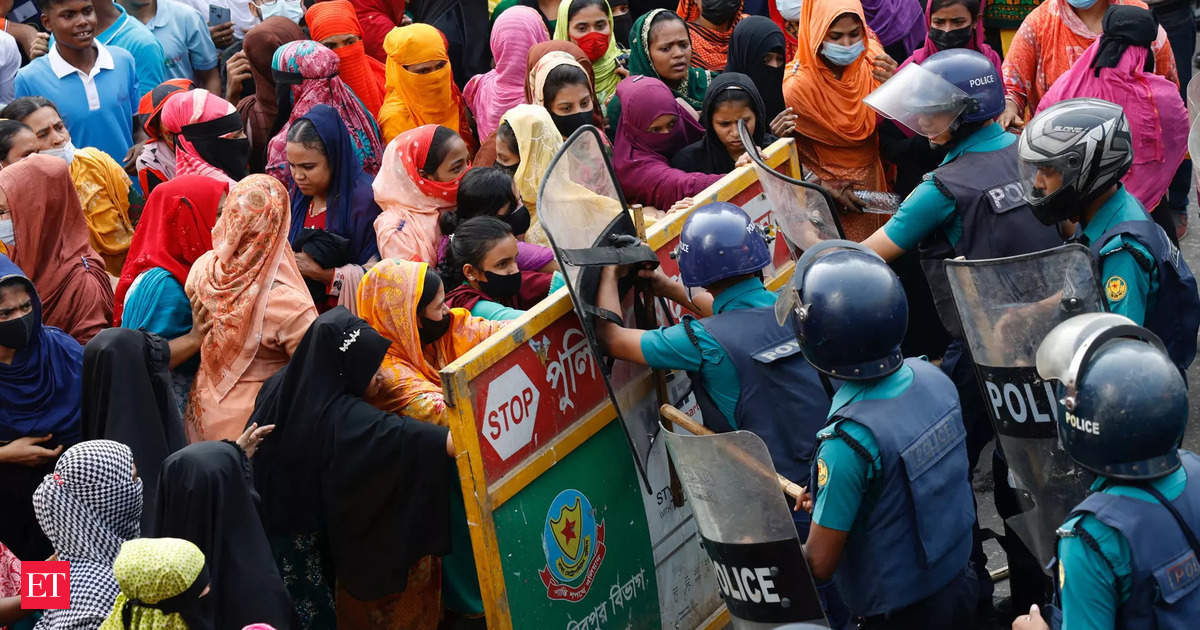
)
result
[(752, 39), (708, 154), (206, 495), (382, 478), (128, 398)]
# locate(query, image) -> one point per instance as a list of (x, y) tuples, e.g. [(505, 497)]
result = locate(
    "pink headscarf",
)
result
[(976, 43), (492, 94), (188, 108), (1157, 118)]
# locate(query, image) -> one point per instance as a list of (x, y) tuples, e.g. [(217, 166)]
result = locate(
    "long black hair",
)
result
[(469, 245), (483, 191)]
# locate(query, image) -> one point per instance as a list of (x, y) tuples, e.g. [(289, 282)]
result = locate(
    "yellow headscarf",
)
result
[(537, 142), (150, 570), (103, 189), (411, 99)]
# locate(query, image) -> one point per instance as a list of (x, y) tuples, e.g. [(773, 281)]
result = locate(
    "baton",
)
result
[(789, 487)]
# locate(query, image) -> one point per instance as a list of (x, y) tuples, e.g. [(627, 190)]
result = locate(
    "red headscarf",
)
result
[(175, 229), (365, 75)]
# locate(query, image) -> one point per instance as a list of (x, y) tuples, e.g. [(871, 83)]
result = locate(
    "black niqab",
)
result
[(128, 398), (752, 39), (1124, 26), (382, 477), (709, 155), (206, 495)]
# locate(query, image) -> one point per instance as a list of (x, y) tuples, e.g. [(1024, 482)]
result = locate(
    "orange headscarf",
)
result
[(413, 99), (387, 300), (838, 128), (365, 75), (250, 255)]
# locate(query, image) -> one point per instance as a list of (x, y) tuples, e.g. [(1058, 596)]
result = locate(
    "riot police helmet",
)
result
[(950, 88), (848, 310), (719, 241), (1123, 403)]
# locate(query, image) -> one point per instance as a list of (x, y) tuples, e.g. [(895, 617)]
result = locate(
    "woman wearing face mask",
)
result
[(661, 47), (838, 63), (537, 140), (562, 86), (105, 192), (653, 128), (1051, 39), (420, 85), (156, 162), (418, 181), (209, 140), (731, 98), (589, 24), (757, 50), (495, 92), (711, 23), (335, 24), (481, 266), (490, 192), (309, 73)]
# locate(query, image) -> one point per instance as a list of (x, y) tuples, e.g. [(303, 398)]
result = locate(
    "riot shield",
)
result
[(802, 211), (1193, 98), (1194, 149), (1007, 306), (584, 214), (746, 528)]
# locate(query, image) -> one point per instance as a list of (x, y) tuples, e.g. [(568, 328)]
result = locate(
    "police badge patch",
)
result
[(1115, 288), (822, 472)]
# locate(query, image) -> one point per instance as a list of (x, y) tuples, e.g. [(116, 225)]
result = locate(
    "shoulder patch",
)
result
[(822, 472), (1062, 576), (1115, 288)]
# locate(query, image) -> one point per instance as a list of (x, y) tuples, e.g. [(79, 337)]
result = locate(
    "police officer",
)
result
[(892, 506), (1072, 157), (1128, 553), (749, 371)]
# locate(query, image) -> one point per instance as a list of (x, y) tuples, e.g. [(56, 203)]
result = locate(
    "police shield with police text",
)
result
[(1006, 306), (746, 529)]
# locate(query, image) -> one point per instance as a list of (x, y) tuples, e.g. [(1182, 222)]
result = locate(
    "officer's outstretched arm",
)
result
[(620, 342), (824, 550), (883, 245)]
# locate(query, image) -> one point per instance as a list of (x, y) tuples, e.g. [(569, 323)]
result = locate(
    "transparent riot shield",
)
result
[(802, 211), (1007, 306), (1193, 98), (583, 212), (746, 528)]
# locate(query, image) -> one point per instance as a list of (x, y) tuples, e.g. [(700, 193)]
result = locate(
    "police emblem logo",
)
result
[(822, 472), (573, 542), (1115, 288)]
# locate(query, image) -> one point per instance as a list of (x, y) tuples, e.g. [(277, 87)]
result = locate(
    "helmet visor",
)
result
[(1044, 180), (920, 100), (1058, 356)]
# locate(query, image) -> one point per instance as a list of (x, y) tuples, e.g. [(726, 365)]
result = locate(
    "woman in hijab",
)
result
[(41, 385), (209, 139), (653, 128), (731, 98), (835, 68), (259, 110), (164, 586), (420, 85), (544, 59), (156, 162), (355, 495), (757, 49), (418, 182), (481, 269), (89, 506), (464, 26), (547, 10), (257, 303), (954, 24), (711, 23), (660, 46), (899, 25), (128, 398), (335, 25), (489, 191), (491, 94), (105, 192), (589, 25), (51, 238), (786, 15), (206, 496), (537, 141), (1115, 68), (333, 208), (312, 72)]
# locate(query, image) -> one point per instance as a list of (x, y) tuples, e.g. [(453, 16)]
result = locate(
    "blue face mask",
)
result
[(840, 55), (292, 10), (1081, 4)]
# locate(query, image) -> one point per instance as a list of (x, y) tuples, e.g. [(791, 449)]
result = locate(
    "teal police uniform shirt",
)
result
[(1128, 287), (670, 349), (846, 484), (927, 208), (1095, 583)]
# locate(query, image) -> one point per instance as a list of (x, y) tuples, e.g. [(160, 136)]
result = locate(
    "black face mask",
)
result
[(622, 24), (501, 286), (431, 331), (719, 11), (228, 154), (945, 40), (16, 333), (511, 169), (569, 123), (518, 220)]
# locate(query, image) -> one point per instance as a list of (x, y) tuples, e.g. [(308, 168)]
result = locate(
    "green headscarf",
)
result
[(605, 68), (693, 86), (151, 570)]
